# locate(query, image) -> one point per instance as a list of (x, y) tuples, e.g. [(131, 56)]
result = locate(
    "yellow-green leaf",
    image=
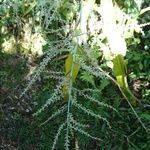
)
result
[(68, 67), (119, 69), (119, 66), (29, 9), (65, 91)]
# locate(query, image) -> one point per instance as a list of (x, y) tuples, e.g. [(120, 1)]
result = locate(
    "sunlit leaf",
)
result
[(70, 65), (119, 69), (29, 9), (119, 66)]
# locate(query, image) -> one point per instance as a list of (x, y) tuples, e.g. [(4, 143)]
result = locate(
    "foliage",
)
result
[(75, 99)]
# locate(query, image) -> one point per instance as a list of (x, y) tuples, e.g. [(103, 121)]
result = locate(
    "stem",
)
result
[(70, 93), (71, 81), (144, 10)]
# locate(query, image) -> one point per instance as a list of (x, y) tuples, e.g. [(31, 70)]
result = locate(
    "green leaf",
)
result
[(68, 65), (87, 77), (104, 83), (29, 9), (119, 69), (140, 66), (119, 66), (146, 116)]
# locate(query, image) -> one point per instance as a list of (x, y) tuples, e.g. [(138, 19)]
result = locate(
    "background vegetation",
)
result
[(39, 45)]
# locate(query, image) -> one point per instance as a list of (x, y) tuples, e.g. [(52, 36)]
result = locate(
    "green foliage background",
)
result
[(20, 130)]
